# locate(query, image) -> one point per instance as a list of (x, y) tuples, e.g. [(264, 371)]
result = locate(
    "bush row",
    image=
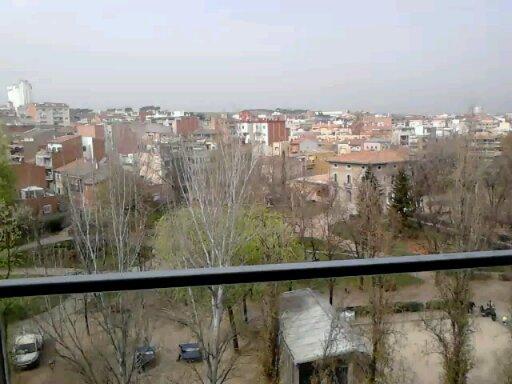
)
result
[(401, 307)]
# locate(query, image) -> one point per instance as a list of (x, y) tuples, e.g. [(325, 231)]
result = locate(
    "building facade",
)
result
[(185, 125), (347, 171), (19, 94), (262, 131), (49, 113)]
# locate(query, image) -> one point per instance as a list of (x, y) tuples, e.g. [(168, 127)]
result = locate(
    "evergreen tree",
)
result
[(7, 192), (402, 200), (370, 178)]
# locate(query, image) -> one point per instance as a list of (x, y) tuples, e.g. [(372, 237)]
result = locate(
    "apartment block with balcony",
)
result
[(58, 152), (262, 131), (49, 113)]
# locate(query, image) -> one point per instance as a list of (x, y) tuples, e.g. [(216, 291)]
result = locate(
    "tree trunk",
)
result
[(274, 334), (8, 262), (86, 316), (331, 291), (244, 305), (4, 355), (233, 328), (214, 336)]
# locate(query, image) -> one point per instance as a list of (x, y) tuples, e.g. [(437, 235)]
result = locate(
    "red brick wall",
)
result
[(71, 151), (98, 147), (186, 125), (28, 174), (276, 131), (91, 130), (36, 205), (31, 111)]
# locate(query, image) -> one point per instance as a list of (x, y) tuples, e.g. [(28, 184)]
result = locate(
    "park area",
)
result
[(414, 346)]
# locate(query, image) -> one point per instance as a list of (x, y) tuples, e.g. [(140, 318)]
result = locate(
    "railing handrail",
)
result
[(129, 281)]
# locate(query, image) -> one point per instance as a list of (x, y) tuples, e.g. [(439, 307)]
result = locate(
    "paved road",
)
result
[(38, 271), (59, 238)]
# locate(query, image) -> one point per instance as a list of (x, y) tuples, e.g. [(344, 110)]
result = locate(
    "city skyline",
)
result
[(402, 57)]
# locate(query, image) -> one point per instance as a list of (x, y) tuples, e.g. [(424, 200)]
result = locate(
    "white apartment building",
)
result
[(253, 133), (20, 94)]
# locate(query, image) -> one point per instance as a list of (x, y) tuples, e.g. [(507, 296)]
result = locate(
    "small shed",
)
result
[(309, 332)]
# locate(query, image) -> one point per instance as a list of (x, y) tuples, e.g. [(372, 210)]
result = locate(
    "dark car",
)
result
[(190, 352), (144, 357)]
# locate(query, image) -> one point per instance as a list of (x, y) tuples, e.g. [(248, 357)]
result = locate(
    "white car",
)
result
[(27, 350)]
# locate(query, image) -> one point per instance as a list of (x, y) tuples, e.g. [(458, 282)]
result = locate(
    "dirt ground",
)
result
[(490, 340)]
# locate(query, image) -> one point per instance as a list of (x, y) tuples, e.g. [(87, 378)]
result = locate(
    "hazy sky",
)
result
[(396, 56)]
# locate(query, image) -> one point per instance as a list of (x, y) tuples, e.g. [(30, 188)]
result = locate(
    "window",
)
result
[(348, 179), (348, 166), (379, 167), (47, 209), (336, 178), (335, 165)]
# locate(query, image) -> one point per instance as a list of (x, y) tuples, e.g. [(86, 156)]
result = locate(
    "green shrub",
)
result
[(482, 276), (409, 306), (435, 305), (361, 310)]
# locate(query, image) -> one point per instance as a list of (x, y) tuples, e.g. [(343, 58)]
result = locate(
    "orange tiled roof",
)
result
[(371, 157), (62, 139)]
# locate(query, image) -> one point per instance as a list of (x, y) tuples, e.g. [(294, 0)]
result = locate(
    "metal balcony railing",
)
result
[(129, 281), (72, 284)]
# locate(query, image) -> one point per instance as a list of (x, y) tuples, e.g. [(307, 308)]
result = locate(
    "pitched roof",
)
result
[(90, 172), (372, 157), (62, 139), (306, 322)]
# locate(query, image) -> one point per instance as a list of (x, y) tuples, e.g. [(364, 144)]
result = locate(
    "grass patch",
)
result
[(399, 281), (400, 248), (26, 307)]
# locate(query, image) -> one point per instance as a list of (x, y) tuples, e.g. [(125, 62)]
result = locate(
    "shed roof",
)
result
[(306, 323)]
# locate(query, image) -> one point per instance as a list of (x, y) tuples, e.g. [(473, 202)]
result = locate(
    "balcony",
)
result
[(303, 309)]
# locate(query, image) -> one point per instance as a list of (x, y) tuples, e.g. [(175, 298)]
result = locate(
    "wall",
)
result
[(36, 205), (28, 174), (90, 130), (348, 189), (184, 126), (276, 131), (71, 151)]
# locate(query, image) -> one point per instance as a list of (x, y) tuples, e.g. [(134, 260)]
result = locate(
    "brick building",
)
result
[(58, 152), (185, 125), (29, 174)]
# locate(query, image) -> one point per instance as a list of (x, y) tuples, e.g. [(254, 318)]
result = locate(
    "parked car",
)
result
[(488, 311), (27, 350), (190, 352), (144, 357)]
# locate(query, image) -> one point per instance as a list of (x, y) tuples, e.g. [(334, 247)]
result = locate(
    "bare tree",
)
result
[(273, 242), (12, 219), (108, 235), (215, 187), (331, 217), (452, 330), (365, 231), (368, 238)]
